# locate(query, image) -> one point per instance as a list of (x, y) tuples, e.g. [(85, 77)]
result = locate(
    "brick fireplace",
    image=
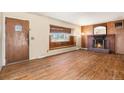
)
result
[(100, 43), (93, 42)]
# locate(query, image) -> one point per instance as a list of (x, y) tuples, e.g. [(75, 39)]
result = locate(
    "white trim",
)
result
[(51, 53), (55, 52), (84, 48), (3, 41)]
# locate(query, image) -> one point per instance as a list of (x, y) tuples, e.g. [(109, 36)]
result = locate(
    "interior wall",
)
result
[(119, 36), (39, 29), (120, 42), (0, 40)]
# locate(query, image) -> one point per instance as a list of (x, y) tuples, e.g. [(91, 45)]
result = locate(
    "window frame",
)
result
[(59, 35)]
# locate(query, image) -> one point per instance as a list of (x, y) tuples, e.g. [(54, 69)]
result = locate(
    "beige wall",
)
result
[(39, 29), (0, 40)]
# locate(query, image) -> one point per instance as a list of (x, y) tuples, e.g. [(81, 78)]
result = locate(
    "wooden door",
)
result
[(17, 40)]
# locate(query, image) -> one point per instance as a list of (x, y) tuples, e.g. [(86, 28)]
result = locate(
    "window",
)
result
[(18, 28), (59, 37)]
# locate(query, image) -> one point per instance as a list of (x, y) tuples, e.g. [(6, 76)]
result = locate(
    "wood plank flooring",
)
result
[(76, 65)]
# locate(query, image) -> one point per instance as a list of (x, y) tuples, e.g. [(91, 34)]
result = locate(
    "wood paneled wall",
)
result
[(111, 30), (54, 28), (87, 30)]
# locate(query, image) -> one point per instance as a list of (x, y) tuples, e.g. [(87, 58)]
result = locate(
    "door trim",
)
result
[(6, 63)]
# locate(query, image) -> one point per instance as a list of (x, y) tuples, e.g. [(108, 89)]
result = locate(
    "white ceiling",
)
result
[(84, 18)]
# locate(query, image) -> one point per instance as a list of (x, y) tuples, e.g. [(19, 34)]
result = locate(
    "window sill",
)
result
[(61, 47)]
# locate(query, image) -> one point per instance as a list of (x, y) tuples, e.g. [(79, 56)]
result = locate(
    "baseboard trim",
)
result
[(59, 53), (54, 54), (84, 48)]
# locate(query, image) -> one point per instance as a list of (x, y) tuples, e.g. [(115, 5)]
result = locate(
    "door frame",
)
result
[(5, 40)]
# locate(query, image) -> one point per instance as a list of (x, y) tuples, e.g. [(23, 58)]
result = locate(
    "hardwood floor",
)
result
[(76, 65)]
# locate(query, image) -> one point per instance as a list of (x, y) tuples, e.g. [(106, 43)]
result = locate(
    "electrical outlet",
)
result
[(32, 38), (47, 50)]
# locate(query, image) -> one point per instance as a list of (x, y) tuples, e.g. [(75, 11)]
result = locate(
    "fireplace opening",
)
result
[(99, 43)]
